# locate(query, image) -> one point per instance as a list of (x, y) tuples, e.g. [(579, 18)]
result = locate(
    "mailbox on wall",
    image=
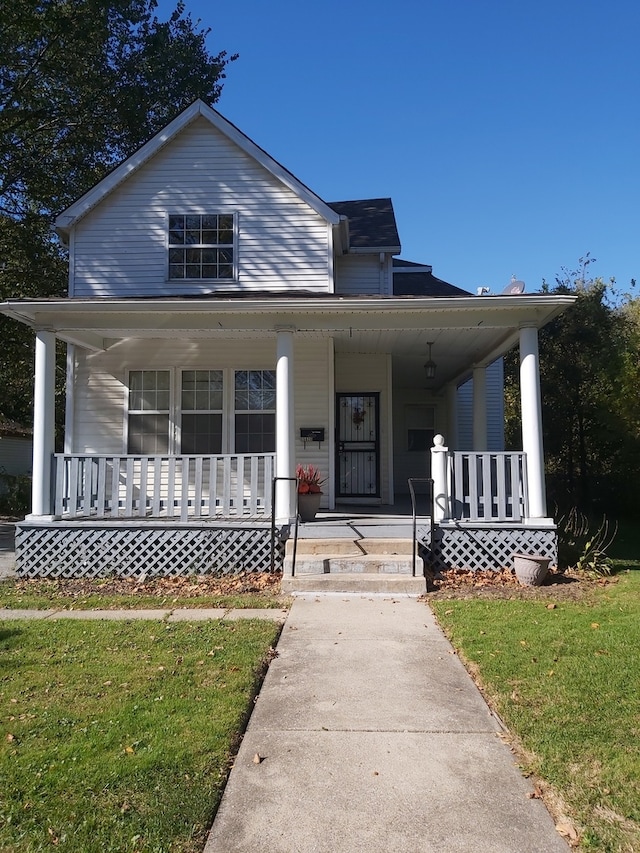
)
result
[(312, 434)]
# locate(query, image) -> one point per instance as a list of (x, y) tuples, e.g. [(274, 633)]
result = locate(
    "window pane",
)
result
[(192, 271), (225, 271), (225, 221), (242, 400), (149, 434), (242, 379), (225, 238), (193, 221), (201, 433), (269, 378), (162, 400), (210, 221), (255, 433), (268, 399), (163, 380)]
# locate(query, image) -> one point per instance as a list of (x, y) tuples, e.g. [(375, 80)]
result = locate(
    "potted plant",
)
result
[(309, 491), (531, 569)]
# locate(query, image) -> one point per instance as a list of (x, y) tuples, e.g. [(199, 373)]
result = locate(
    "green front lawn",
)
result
[(117, 736), (566, 681)]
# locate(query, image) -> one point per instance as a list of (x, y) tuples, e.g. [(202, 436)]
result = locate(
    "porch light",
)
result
[(429, 365)]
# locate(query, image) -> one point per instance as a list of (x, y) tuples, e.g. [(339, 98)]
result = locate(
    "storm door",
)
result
[(358, 431)]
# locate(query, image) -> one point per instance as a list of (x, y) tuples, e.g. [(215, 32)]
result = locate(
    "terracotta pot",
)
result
[(531, 569), (308, 505)]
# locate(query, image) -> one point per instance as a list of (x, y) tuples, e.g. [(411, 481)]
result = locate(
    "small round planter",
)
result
[(531, 569), (308, 505)]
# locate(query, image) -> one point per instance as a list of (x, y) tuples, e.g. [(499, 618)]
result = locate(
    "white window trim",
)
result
[(126, 413)]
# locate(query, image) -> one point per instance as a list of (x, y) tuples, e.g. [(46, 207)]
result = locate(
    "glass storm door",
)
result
[(358, 445)]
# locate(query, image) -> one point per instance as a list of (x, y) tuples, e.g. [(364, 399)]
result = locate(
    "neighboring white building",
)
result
[(224, 323)]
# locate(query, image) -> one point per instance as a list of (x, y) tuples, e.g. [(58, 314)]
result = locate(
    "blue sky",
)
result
[(507, 132)]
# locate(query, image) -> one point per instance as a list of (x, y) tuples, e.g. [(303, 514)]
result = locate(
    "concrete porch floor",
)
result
[(363, 522)]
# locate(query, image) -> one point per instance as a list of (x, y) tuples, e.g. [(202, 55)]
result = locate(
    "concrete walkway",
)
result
[(368, 736)]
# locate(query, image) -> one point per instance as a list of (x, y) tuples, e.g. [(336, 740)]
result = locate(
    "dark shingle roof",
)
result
[(372, 223), (411, 279)]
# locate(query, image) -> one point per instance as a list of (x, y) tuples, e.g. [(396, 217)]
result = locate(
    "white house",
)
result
[(223, 324)]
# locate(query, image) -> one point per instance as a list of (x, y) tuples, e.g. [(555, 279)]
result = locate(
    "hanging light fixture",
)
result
[(429, 365)]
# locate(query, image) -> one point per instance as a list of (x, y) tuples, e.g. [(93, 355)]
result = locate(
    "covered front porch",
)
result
[(323, 351)]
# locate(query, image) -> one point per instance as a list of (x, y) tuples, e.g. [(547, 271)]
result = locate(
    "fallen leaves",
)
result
[(168, 588)]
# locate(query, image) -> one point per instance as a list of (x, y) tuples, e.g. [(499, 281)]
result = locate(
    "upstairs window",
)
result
[(201, 246)]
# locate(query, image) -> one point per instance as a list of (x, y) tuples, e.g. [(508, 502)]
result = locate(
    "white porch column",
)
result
[(531, 407), (480, 408), (285, 425), (452, 414), (439, 476), (43, 423)]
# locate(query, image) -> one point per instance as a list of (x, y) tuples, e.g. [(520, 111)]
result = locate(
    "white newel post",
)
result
[(43, 423), (479, 408), (285, 431), (439, 475), (531, 407)]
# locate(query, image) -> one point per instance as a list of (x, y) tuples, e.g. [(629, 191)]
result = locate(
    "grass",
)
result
[(117, 736), (565, 679), (107, 594)]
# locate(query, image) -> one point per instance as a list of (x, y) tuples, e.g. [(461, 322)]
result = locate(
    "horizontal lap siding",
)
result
[(495, 410), (312, 390), (99, 397), (120, 247), (358, 274)]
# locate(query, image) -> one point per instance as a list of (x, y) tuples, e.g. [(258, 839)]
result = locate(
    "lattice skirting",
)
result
[(71, 551), (482, 548)]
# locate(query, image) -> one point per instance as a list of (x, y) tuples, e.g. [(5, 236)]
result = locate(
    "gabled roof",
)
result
[(372, 224), (68, 218), (411, 279)]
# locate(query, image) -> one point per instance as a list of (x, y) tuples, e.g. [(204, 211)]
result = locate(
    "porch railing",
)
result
[(178, 487), (488, 486)]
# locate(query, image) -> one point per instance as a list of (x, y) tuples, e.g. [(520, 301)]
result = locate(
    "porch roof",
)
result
[(464, 331)]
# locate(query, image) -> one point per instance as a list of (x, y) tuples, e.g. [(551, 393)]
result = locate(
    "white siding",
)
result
[(495, 410), (100, 391), (120, 248), (360, 274), (312, 407)]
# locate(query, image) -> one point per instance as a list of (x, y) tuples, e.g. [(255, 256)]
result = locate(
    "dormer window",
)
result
[(201, 246)]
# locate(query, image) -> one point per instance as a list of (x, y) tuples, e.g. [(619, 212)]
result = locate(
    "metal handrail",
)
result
[(273, 523), (411, 481)]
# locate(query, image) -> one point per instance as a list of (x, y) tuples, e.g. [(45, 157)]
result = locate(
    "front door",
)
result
[(358, 430)]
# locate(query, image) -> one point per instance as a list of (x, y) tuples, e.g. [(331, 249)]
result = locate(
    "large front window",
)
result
[(201, 246), (209, 413)]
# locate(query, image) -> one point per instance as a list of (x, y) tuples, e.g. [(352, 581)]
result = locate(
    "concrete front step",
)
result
[(351, 547), (399, 584), (344, 564)]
